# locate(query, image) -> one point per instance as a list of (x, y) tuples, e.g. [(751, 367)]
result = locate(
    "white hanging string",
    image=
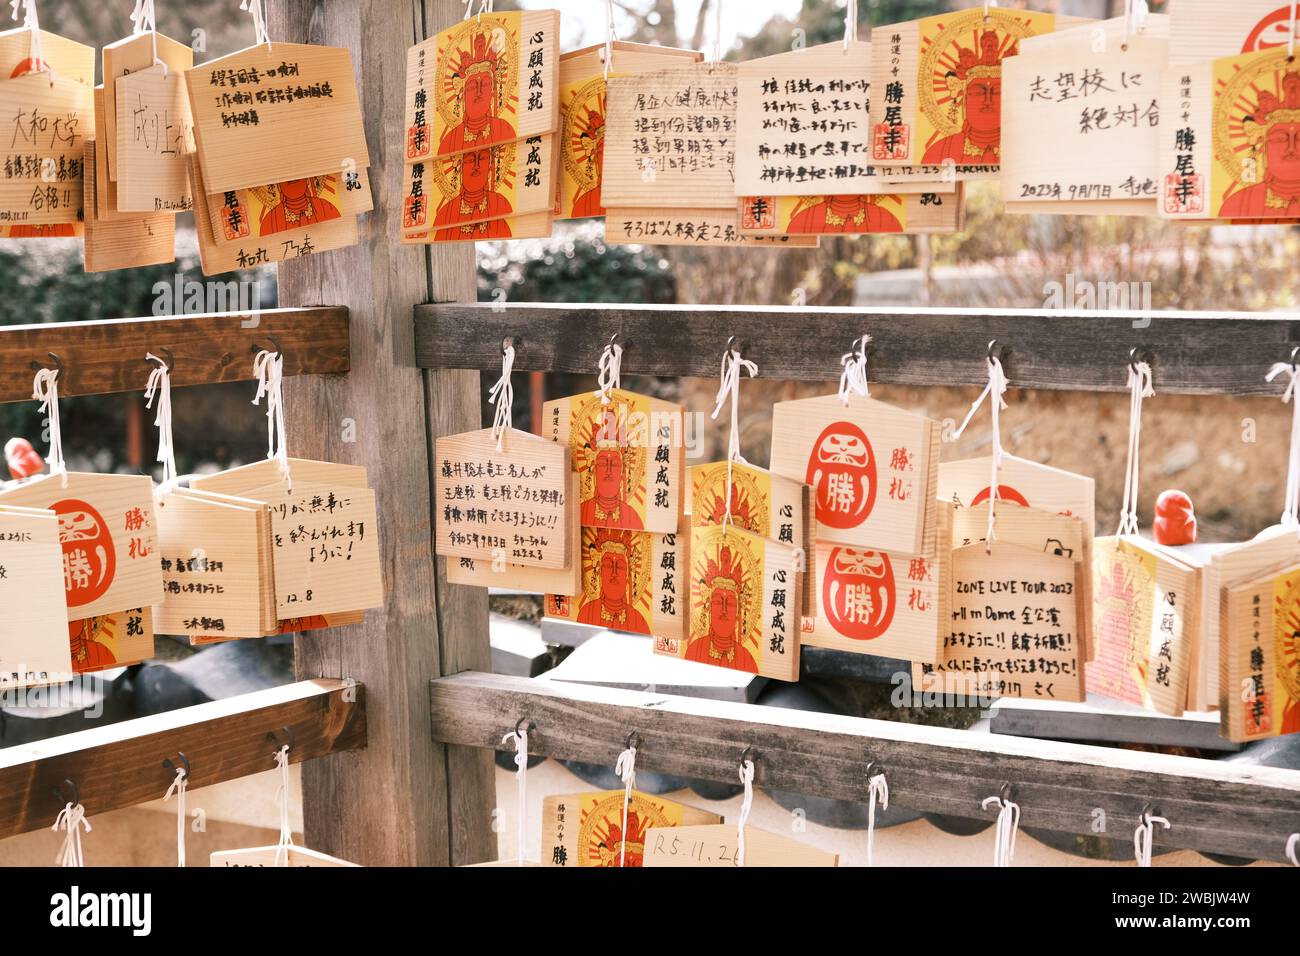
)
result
[(717, 31), (1291, 843), (1292, 505), (850, 23), (1140, 387), (746, 804), (611, 36), (625, 767), (285, 846), (160, 386), (1290, 37), (611, 370), (45, 389), (997, 387), (732, 366), (1135, 18), (142, 21), (987, 5), (31, 21), (521, 780), (484, 6), (1004, 843), (1144, 837), (269, 369), (71, 818), (877, 792), (502, 395), (258, 9), (178, 789), (853, 380)]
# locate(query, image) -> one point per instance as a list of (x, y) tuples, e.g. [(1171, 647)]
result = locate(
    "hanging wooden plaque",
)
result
[(509, 505), (52, 117), (1259, 694), (33, 648), (487, 80), (272, 115), (131, 55), (537, 225), (273, 856), (67, 58), (628, 454), (108, 534), (154, 132), (122, 243), (66, 230), (324, 533), (633, 581), (586, 829), (104, 188), (1145, 617), (111, 640), (716, 845), (744, 604), (660, 226), (262, 211), (873, 469), (867, 214), (583, 116)]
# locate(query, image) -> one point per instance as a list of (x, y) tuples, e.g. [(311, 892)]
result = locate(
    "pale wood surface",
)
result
[(672, 226), (35, 642), (124, 57), (121, 243), (153, 135), (586, 829), (717, 846), (30, 198)]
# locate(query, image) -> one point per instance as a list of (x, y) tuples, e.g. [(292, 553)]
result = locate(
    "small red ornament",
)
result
[(22, 458), (1175, 520)]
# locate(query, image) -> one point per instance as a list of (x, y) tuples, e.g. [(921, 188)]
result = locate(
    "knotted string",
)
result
[(732, 365), (850, 23), (1140, 387), (1135, 18), (877, 792), (521, 781), (1004, 844), (502, 395), (746, 804), (45, 389), (1289, 510), (997, 387), (71, 818), (626, 770), (484, 6), (160, 386), (853, 380), (611, 36), (258, 9), (1291, 843), (269, 369), (611, 368), (31, 21), (142, 21), (178, 788), (285, 846), (1144, 836)]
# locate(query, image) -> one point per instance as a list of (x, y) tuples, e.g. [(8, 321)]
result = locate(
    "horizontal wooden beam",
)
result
[(121, 765), (1194, 352), (109, 355), (1227, 808)]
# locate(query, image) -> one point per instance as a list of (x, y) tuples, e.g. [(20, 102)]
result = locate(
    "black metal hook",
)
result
[(523, 725), (63, 798), (874, 768), (274, 341), (1005, 793), (169, 360), (1294, 352), (172, 767), (1148, 811), (58, 363), (1140, 353), (274, 738), (731, 340), (748, 756), (632, 741), (511, 342)]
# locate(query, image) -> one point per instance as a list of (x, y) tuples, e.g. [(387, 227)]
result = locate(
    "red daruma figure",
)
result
[(22, 458), (616, 565), (842, 472), (1175, 520), (858, 593)]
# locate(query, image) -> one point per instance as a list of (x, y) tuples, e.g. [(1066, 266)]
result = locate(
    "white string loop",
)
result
[(269, 369), (502, 395), (732, 366), (72, 818), (160, 386), (611, 37), (178, 790), (1140, 387), (484, 6), (1135, 18), (850, 23), (987, 5), (144, 21), (611, 369), (1290, 37), (258, 9), (1144, 837), (877, 793), (31, 21), (717, 31), (996, 388), (1004, 843), (285, 846), (45, 389), (1292, 505), (625, 767), (1291, 843), (520, 737), (746, 804), (853, 380)]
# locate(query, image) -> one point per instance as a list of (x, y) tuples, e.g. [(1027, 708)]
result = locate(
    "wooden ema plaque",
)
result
[(52, 119), (217, 566), (510, 505), (583, 115), (1146, 608), (807, 122), (764, 503), (566, 581), (658, 226), (34, 646), (451, 195), (111, 640), (633, 581), (108, 534), (865, 214), (105, 189), (716, 845), (744, 604), (533, 226), (487, 80), (324, 533), (291, 856), (937, 88), (269, 116), (67, 58), (276, 208), (218, 257), (628, 454), (128, 56), (1259, 694), (873, 469), (586, 829), (122, 243), (154, 132)]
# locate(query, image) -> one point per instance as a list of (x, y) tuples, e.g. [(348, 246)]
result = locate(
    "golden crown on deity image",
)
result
[(948, 64), (725, 563), (1287, 639), (583, 124), (598, 542), (481, 44), (1260, 95), (269, 195), (600, 427)]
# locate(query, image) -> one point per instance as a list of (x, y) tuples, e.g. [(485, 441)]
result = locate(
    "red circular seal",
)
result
[(1005, 493), (1270, 32), (842, 472), (858, 593), (89, 558)]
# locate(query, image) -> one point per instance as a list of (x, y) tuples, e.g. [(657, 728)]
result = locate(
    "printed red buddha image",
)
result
[(614, 578), (1287, 648), (974, 85), (296, 203), (843, 214), (474, 177), (584, 147), (87, 636), (1269, 185), (479, 68), (612, 468), (725, 612)]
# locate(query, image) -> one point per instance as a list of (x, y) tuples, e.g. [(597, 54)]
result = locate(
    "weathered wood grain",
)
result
[(1194, 352), (121, 765), (1228, 808), (108, 355)]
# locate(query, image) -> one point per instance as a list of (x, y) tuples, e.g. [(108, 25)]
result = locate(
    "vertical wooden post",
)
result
[(404, 800)]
